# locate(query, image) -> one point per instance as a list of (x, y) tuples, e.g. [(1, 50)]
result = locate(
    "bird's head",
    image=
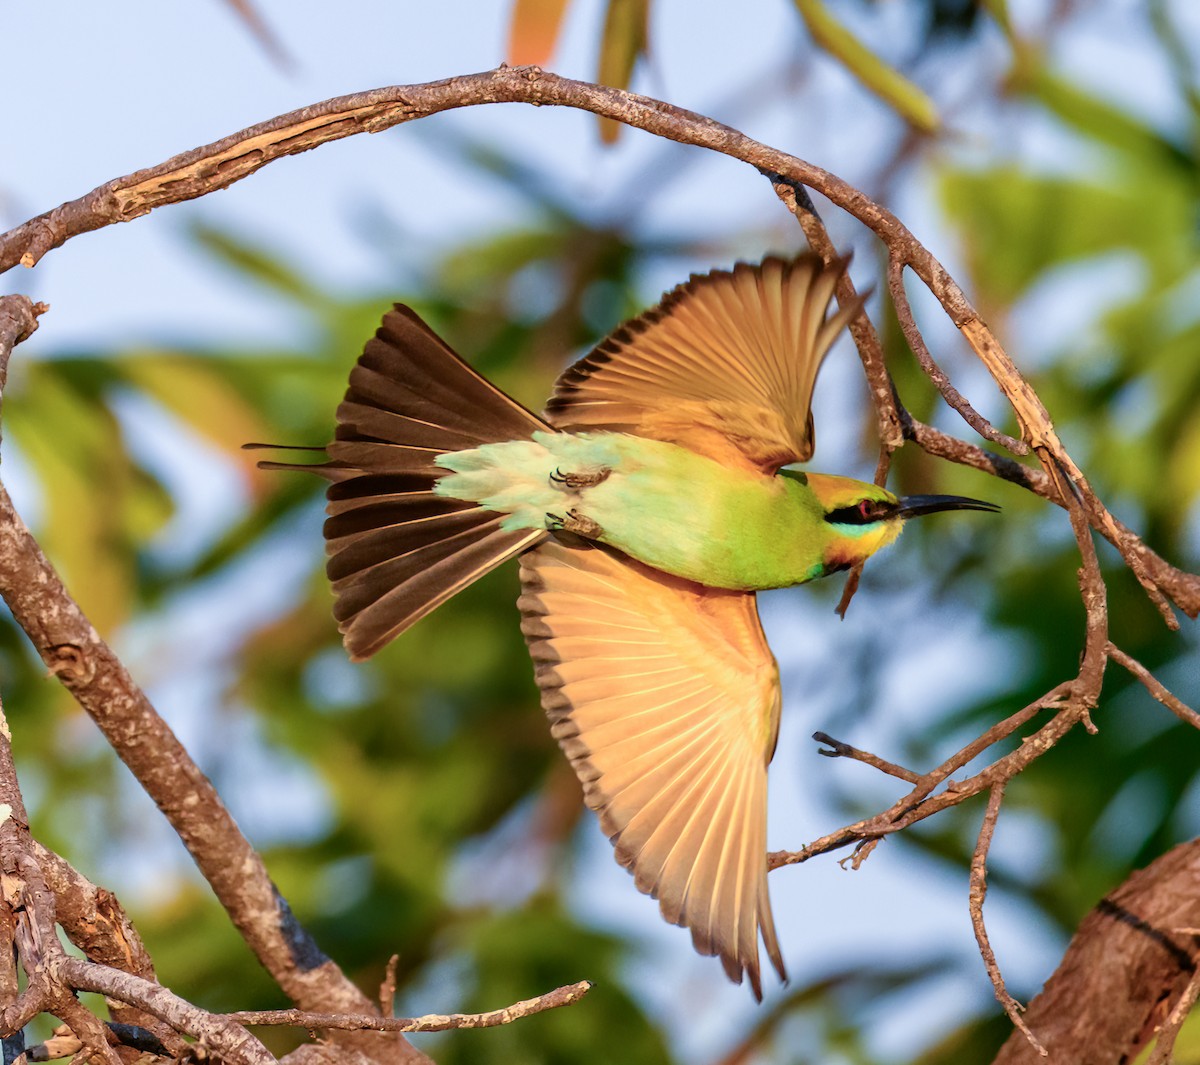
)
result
[(861, 518)]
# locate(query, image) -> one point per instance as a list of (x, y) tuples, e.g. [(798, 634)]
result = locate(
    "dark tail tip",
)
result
[(331, 471), (281, 447)]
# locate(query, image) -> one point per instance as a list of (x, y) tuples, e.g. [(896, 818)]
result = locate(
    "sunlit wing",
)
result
[(665, 697), (724, 365)]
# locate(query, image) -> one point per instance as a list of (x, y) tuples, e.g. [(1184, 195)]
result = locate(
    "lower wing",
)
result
[(665, 697)]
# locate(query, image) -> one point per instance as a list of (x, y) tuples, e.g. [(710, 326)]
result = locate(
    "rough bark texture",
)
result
[(1125, 967)]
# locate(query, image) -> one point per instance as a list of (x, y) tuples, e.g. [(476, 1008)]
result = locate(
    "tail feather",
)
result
[(385, 425), (397, 550), (382, 457), (407, 369), (391, 543), (383, 515), (423, 399), (420, 581)]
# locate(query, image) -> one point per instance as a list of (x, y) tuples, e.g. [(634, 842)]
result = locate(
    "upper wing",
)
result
[(724, 365), (665, 697)]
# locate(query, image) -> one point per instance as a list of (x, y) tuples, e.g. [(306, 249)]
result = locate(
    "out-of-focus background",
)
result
[(416, 804)]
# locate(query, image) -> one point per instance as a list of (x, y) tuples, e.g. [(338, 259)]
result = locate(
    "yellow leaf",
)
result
[(534, 31), (75, 449)]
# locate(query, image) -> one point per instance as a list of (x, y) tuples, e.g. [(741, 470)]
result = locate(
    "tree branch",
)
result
[(1125, 967), (978, 894), (434, 1022), (87, 667)]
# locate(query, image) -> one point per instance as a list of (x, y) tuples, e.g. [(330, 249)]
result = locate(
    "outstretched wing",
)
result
[(665, 697), (724, 365)]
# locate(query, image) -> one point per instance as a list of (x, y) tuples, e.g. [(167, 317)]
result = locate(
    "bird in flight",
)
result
[(647, 506)]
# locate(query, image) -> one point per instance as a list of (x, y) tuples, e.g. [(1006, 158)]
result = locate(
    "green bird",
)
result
[(647, 506)]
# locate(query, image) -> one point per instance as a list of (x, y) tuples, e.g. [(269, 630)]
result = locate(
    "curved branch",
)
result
[(952, 396), (224, 162)]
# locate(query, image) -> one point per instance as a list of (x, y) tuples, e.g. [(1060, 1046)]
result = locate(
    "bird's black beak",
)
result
[(913, 506)]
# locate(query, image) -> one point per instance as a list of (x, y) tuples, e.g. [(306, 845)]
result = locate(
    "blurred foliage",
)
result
[(536, 25), (448, 822)]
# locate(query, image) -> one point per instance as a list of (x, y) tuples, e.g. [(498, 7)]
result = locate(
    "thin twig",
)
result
[(1164, 1047), (844, 750), (862, 330), (232, 1042), (921, 803), (562, 996), (977, 895), (934, 372), (1177, 706)]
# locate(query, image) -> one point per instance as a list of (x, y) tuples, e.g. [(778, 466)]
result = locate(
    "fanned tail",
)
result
[(396, 550)]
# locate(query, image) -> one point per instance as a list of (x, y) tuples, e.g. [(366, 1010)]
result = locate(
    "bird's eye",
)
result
[(864, 510)]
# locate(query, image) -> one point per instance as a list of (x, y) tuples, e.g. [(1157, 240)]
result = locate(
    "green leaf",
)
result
[(625, 35), (876, 76), (1016, 225)]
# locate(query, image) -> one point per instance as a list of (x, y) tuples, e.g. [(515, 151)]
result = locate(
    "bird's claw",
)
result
[(581, 480), (575, 523)]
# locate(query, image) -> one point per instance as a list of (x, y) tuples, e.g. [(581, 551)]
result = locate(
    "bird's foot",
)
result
[(576, 523), (581, 480)]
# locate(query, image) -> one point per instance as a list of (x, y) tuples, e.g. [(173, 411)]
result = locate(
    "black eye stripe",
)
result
[(864, 512)]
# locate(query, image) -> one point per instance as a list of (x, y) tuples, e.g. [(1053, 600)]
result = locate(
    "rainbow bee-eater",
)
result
[(648, 504)]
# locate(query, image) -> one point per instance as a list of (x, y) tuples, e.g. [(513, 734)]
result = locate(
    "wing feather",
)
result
[(665, 697), (724, 365)]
